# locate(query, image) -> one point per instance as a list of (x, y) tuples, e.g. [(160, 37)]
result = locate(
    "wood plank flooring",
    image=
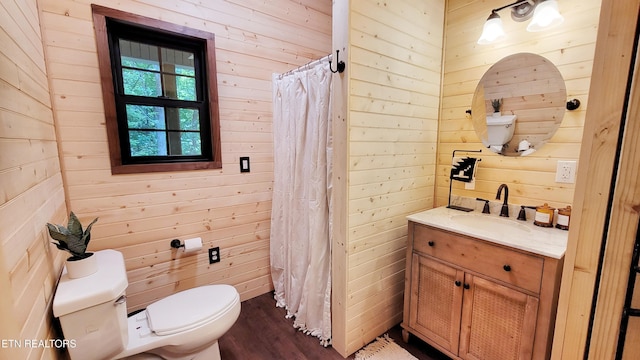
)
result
[(263, 332)]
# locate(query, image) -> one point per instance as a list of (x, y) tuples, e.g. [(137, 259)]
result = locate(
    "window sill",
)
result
[(166, 167)]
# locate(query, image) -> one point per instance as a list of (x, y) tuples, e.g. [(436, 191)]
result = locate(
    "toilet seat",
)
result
[(190, 308), (200, 324)]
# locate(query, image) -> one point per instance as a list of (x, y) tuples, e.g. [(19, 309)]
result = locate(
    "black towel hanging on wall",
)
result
[(463, 169)]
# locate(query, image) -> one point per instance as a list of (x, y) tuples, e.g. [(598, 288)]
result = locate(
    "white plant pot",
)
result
[(81, 268)]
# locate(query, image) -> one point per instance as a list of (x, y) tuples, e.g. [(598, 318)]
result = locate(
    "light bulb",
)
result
[(492, 30), (545, 15)]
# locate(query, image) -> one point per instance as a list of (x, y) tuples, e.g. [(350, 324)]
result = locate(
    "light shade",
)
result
[(545, 15), (492, 30)]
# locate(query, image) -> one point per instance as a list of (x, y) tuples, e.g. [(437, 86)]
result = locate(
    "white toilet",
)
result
[(500, 130), (185, 325)]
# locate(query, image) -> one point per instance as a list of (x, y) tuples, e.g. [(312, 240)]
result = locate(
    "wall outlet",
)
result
[(214, 255), (566, 171)]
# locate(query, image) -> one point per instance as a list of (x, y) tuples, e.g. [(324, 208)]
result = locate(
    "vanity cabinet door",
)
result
[(436, 301), (497, 322)]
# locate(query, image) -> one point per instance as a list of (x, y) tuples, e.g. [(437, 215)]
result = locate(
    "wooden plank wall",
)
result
[(570, 47), (610, 165), (395, 57), (623, 220), (140, 214), (340, 169), (31, 189)]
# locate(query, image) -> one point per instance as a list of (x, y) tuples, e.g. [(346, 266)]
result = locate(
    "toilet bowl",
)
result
[(185, 325)]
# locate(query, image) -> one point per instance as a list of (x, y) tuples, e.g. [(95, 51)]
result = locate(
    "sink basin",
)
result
[(489, 223)]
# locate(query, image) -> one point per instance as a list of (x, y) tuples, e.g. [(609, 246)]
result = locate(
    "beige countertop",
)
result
[(523, 235)]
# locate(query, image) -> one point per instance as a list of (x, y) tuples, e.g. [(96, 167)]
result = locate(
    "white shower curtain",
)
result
[(300, 244)]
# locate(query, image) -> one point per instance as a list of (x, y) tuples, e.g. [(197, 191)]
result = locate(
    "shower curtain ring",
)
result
[(340, 65)]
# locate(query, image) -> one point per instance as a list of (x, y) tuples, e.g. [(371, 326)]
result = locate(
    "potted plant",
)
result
[(75, 240), (496, 104)]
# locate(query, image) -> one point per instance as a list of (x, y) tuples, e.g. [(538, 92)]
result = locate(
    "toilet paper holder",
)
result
[(175, 243), (190, 245)]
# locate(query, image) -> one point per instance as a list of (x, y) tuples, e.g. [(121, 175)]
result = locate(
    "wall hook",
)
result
[(340, 65), (573, 104)]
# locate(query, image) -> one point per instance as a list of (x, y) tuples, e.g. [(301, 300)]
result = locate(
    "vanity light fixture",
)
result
[(544, 12)]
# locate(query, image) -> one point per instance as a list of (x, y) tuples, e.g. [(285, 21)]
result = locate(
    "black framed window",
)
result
[(162, 107)]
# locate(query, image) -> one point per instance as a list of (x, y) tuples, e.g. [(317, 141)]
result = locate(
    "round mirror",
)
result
[(519, 104)]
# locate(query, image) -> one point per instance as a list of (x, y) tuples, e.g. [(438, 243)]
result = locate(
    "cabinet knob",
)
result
[(431, 243), (458, 283), (466, 286), (507, 268)]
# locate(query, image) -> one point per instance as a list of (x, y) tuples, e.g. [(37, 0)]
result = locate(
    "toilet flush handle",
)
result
[(121, 300)]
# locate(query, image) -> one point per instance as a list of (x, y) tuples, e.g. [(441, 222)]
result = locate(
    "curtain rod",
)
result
[(307, 65)]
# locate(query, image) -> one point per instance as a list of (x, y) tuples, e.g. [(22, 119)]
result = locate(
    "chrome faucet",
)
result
[(505, 206)]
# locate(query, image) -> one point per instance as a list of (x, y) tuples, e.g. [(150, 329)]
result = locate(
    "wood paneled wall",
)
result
[(604, 229), (570, 47), (339, 218), (393, 75), (140, 214), (31, 186)]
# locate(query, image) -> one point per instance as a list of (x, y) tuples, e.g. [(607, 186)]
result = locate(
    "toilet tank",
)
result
[(93, 310), (500, 129)]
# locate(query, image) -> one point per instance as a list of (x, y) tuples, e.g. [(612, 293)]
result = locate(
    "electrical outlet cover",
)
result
[(566, 171), (214, 255), (244, 164)]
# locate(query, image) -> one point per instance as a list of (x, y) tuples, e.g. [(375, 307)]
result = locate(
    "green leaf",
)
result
[(86, 237), (61, 245), (57, 232), (76, 245), (88, 229), (75, 227)]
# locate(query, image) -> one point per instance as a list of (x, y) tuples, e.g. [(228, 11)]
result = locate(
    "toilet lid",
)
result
[(190, 308)]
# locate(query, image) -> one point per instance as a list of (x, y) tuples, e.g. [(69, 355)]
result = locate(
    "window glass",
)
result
[(149, 70), (189, 119), (153, 75), (190, 144), (166, 131), (147, 143), (145, 117)]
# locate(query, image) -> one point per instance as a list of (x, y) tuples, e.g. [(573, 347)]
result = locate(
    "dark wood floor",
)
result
[(263, 332)]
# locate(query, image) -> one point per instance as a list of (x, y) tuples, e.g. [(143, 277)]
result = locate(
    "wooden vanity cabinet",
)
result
[(473, 299)]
